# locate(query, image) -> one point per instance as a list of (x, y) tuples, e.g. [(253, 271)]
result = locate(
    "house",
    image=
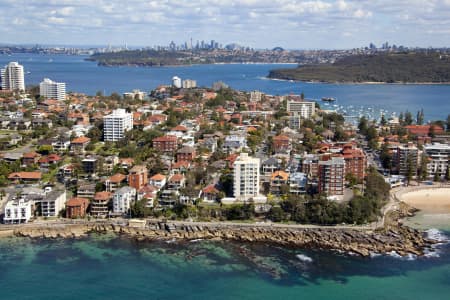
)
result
[(180, 167), (123, 199), (176, 182), (114, 182), (25, 177), (110, 162), (76, 207), (78, 145), (85, 189), (61, 144), (100, 204), (278, 179), (30, 158), (186, 154), (270, 165), (138, 177), (149, 193), (234, 143), (90, 165), (126, 163), (298, 183), (210, 194), (158, 181), (281, 144)]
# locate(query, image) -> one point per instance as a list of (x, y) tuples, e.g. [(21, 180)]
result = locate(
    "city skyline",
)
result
[(257, 24)]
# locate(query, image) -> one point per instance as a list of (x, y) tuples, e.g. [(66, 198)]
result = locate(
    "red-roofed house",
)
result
[(281, 143), (114, 182), (30, 158), (210, 194), (78, 145), (76, 207), (101, 203), (25, 177)]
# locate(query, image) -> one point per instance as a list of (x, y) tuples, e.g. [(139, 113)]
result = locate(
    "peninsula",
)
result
[(409, 67)]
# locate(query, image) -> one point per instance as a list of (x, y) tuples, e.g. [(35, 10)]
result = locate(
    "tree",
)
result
[(420, 117), (363, 125), (448, 123), (385, 157), (410, 172), (383, 120), (423, 172), (408, 118)]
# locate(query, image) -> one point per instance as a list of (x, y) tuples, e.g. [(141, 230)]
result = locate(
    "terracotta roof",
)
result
[(281, 138), (30, 155), (210, 189), (77, 201), (25, 175), (282, 174), (179, 128), (158, 177), (165, 138), (176, 178), (103, 196), (117, 178), (81, 140), (180, 164)]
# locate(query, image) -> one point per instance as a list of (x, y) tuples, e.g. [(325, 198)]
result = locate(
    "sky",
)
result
[(290, 24)]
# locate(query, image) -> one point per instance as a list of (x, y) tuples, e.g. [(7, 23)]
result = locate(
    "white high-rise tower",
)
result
[(12, 77), (53, 90)]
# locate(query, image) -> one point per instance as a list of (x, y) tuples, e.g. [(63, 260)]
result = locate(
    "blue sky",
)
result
[(257, 23)]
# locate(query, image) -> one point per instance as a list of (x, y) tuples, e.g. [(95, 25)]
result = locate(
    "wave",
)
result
[(437, 235), (304, 258)]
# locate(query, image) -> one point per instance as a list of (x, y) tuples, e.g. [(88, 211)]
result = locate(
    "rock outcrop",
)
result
[(400, 239)]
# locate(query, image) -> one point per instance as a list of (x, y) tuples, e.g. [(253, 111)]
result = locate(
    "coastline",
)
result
[(357, 82), (364, 242)]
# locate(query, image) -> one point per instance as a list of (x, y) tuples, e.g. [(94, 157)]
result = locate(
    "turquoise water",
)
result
[(109, 267), (87, 77)]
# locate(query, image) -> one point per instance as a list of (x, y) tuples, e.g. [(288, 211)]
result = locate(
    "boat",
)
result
[(328, 99)]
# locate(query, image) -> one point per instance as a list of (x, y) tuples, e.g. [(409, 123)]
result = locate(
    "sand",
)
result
[(435, 200)]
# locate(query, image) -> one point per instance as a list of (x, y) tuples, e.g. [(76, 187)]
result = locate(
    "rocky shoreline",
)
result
[(400, 239)]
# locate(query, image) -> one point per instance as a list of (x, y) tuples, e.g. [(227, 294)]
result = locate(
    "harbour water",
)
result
[(355, 99)]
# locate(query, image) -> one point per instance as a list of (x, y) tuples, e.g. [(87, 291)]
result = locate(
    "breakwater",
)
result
[(401, 239)]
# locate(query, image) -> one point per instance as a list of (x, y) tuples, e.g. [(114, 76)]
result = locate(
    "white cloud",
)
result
[(317, 23)]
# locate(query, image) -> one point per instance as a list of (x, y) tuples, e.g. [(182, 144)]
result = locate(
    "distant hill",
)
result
[(140, 58), (388, 68)]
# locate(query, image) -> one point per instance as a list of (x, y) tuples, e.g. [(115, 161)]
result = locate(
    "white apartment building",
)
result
[(439, 155), (304, 109), (116, 124), (176, 82), (12, 77), (123, 198), (246, 177), (17, 211), (52, 90), (255, 96), (189, 84)]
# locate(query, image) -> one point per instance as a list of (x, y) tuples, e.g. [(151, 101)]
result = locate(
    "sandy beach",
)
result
[(435, 200)]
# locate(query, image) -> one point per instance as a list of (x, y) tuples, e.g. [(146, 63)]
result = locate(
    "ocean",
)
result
[(352, 99), (111, 267)]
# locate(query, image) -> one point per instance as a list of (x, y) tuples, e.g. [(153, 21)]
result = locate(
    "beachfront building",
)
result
[(123, 198), (439, 157), (255, 96), (52, 203), (76, 207), (12, 77), (331, 175), (246, 177), (406, 159), (303, 109), (100, 204), (52, 90), (17, 211), (116, 124)]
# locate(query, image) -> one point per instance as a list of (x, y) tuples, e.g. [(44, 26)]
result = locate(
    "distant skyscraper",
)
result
[(53, 90), (12, 77)]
